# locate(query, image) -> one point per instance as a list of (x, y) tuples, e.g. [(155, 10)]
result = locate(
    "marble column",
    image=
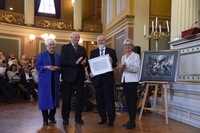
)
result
[(184, 14), (77, 15), (29, 12)]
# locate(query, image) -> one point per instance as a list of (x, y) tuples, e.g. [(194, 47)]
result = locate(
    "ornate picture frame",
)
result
[(161, 66)]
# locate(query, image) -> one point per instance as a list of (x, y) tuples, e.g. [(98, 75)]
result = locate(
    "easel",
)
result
[(164, 109)]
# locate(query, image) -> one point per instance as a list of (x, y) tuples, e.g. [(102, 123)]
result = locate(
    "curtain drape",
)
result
[(57, 7), (37, 5)]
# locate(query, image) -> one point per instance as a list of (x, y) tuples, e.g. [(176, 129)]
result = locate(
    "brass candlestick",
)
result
[(156, 35)]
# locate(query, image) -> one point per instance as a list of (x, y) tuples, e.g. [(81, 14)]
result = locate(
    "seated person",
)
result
[(27, 81), (14, 78), (34, 74), (5, 88)]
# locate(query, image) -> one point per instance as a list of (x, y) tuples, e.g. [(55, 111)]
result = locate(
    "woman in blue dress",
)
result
[(48, 67)]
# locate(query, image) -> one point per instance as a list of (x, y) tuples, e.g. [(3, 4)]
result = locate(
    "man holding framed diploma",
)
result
[(101, 62)]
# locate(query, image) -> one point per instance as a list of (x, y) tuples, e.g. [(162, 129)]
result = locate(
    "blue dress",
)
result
[(45, 100)]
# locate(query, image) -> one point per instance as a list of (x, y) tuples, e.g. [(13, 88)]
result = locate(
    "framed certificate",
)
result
[(100, 65)]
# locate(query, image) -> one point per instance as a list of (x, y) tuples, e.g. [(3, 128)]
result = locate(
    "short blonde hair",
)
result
[(49, 41), (128, 40)]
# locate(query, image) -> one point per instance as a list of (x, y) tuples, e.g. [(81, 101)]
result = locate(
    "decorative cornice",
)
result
[(126, 18), (120, 24), (27, 27), (13, 29)]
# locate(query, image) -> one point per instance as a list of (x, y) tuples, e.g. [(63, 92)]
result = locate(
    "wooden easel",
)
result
[(164, 98)]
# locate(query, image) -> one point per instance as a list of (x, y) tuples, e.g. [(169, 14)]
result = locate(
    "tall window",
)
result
[(121, 5), (109, 11), (47, 6)]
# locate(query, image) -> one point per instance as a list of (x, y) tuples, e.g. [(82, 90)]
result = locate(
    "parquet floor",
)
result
[(24, 117)]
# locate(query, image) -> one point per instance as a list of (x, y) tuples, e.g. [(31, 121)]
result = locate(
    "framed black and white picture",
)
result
[(160, 66)]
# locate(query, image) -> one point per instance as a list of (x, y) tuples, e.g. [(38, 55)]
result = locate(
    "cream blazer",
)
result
[(131, 72)]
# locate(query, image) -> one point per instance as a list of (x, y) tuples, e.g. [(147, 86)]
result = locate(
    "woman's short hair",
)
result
[(49, 41), (128, 40)]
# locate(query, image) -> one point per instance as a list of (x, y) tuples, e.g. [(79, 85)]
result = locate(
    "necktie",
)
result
[(75, 48), (101, 51)]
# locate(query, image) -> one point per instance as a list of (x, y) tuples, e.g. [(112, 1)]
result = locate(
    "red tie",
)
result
[(75, 48)]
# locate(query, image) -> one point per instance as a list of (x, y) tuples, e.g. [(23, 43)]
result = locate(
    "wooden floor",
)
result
[(24, 117)]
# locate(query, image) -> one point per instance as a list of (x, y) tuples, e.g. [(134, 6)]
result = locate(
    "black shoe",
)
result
[(130, 125), (52, 120), (124, 125), (65, 122), (101, 122), (11, 100), (80, 121), (45, 123), (110, 124)]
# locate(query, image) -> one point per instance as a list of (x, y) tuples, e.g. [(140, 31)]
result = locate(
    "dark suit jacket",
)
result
[(68, 60), (109, 76), (23, 78)]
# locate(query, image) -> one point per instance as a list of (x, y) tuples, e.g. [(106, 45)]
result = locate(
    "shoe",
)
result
[(80, 121), (101, 122), (32, 99), (52, 120), (45, 123), (124, 125), (130, 125), (11, 100), (65, 122), (110, 124)]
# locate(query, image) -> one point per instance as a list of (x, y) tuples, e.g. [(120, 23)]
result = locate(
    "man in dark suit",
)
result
[(104, 84), (73, 60)]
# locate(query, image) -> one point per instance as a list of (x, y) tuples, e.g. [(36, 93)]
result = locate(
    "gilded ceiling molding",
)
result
[(10, 17), (50, 23)]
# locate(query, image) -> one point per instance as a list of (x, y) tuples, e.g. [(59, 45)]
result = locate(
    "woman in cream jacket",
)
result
[(130, 66)]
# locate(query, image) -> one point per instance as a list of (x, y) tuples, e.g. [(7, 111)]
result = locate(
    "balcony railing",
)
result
[(92, 27), (49, 23), (10, 17)]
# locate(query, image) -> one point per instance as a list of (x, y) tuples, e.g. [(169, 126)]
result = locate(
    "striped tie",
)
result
[(101, 51)]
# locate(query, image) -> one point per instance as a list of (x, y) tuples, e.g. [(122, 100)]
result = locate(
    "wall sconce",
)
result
[(31, 38), (72, 1), (45, 36)]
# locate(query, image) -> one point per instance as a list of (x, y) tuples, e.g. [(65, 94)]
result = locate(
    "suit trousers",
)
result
[(67, 91), (105, 101)]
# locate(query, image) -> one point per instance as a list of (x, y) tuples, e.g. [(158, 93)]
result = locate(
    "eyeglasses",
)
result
[(128, 45)]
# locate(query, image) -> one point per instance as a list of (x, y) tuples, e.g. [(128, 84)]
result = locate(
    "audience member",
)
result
[(14, 78), (27, 81), (5, 88)]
